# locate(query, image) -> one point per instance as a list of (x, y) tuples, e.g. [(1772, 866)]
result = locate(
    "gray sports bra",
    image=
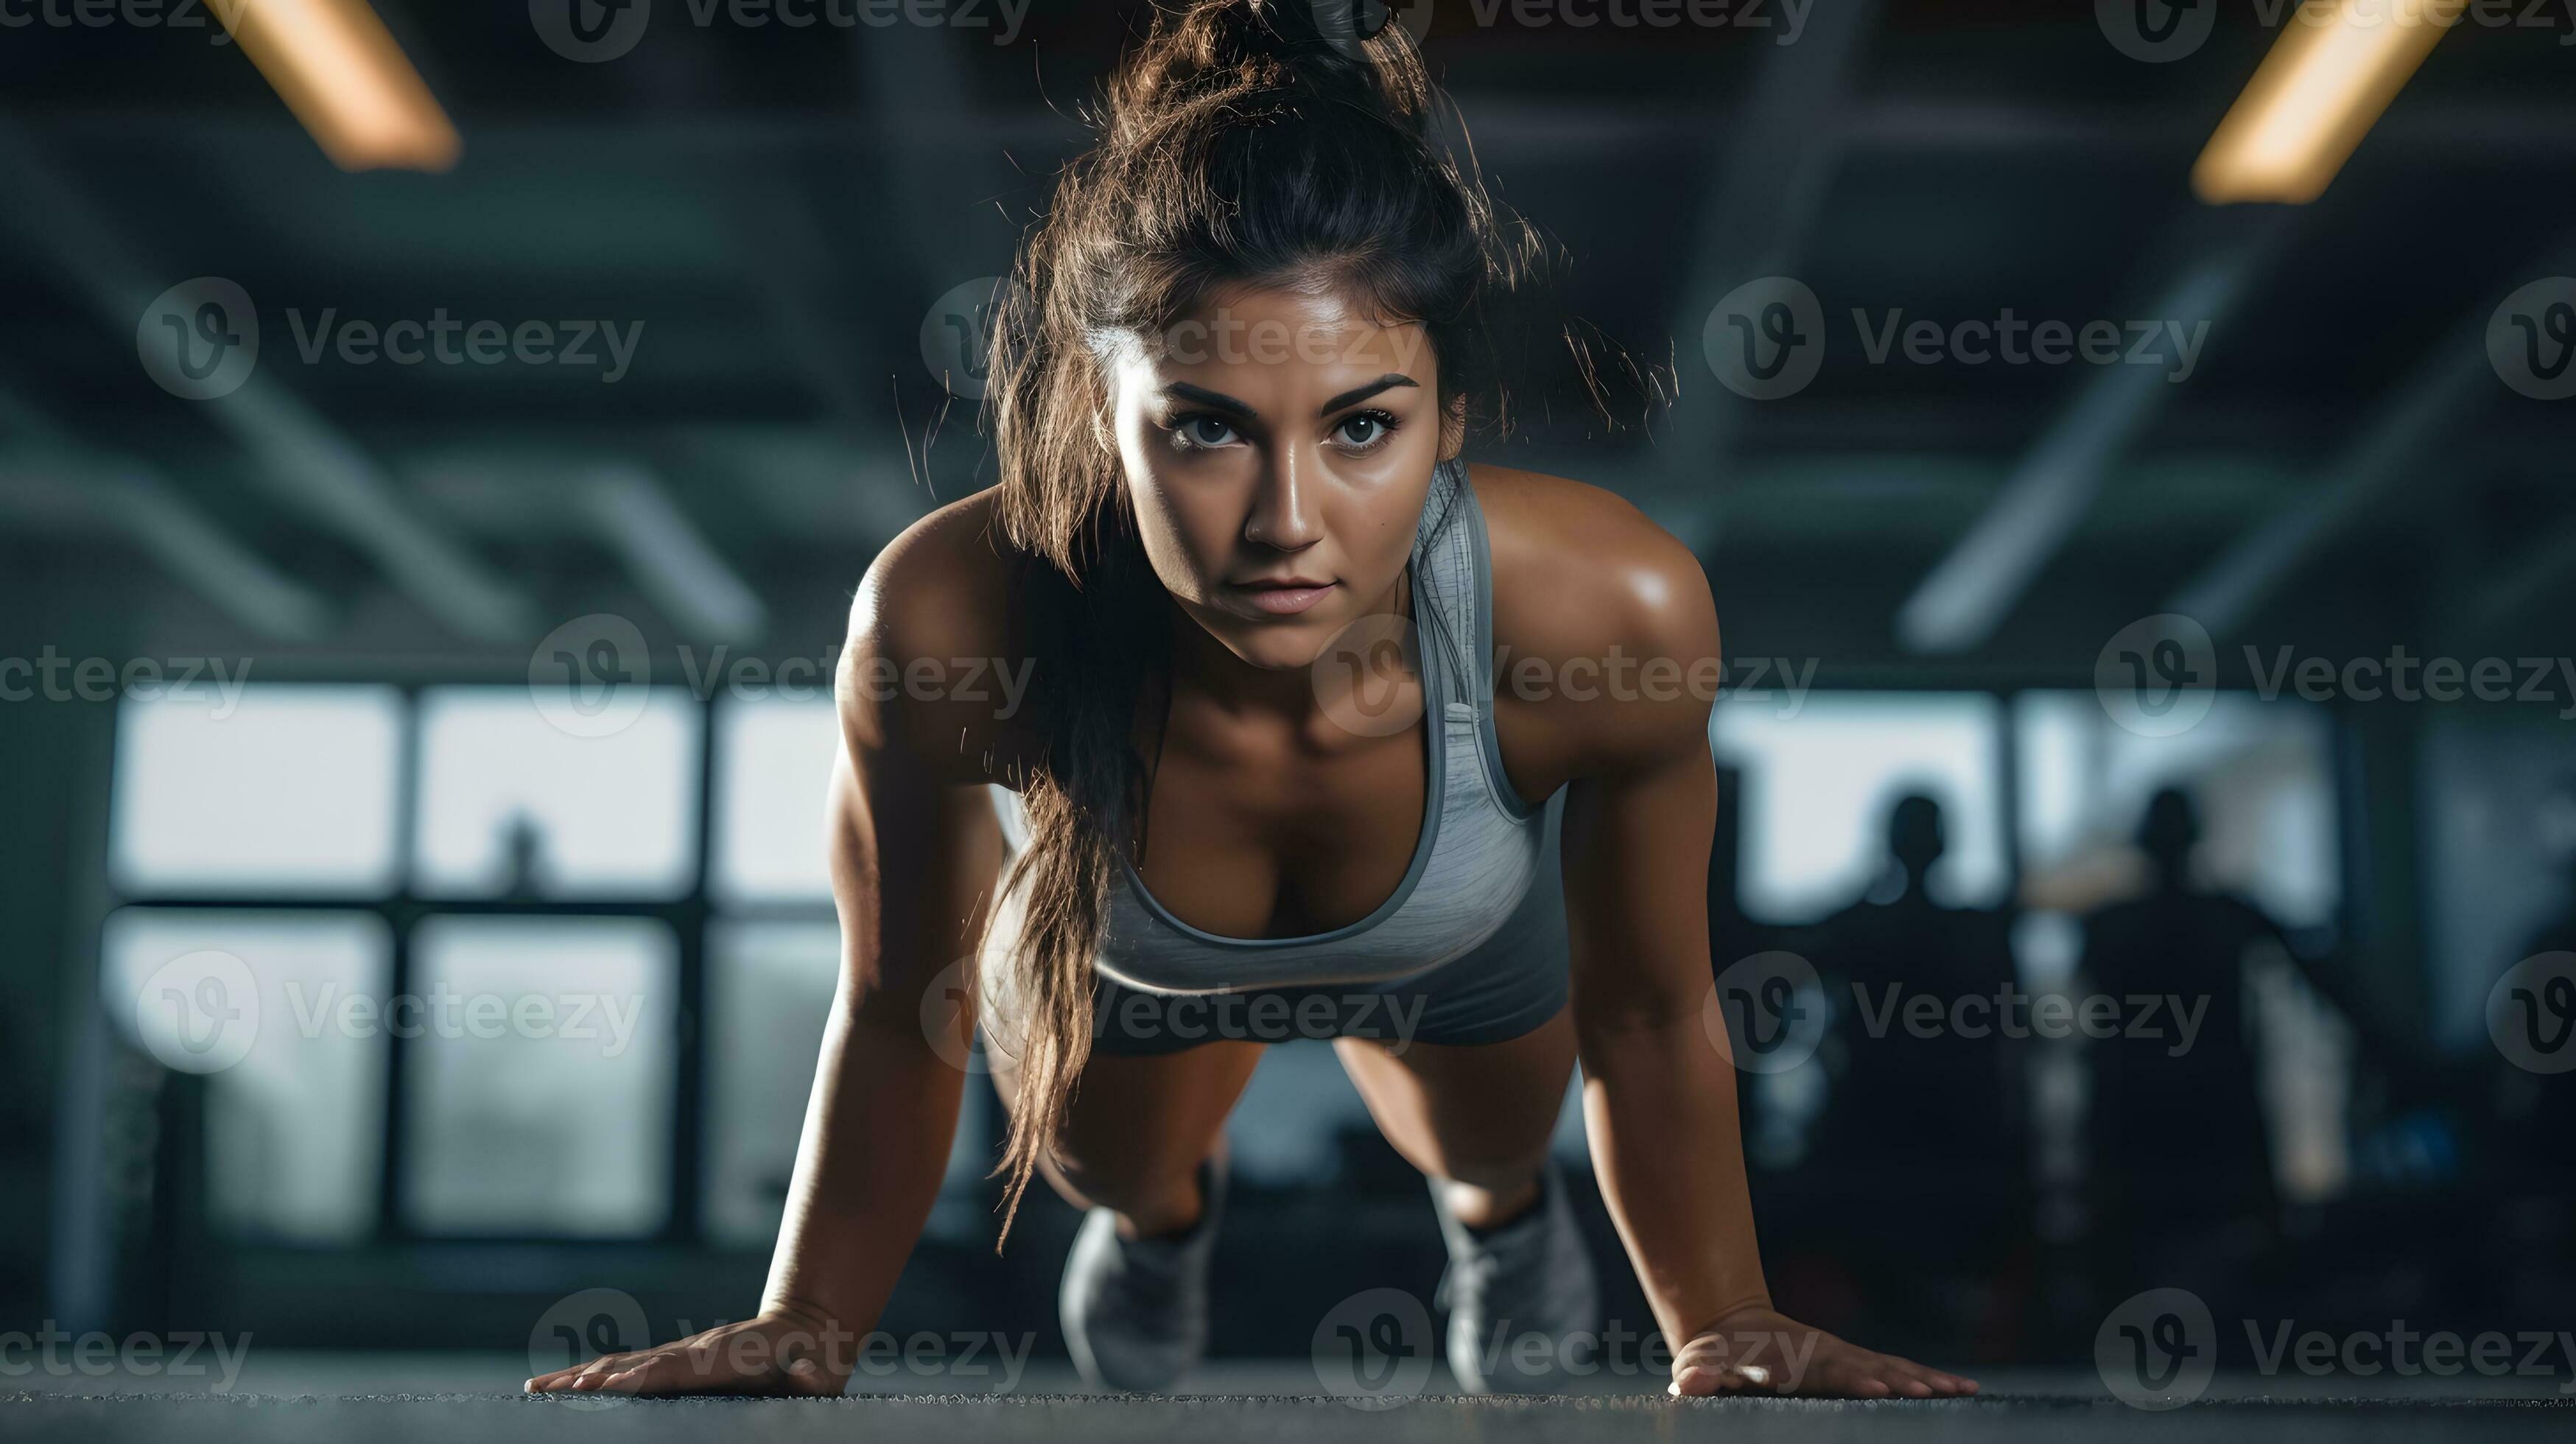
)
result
[(1478, 850)]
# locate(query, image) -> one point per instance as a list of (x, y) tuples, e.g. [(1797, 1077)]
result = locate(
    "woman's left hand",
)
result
[(1763, 1351)]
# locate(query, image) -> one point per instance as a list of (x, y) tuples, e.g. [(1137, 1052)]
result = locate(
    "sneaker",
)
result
[(1136, 1310), (1530, 1276)]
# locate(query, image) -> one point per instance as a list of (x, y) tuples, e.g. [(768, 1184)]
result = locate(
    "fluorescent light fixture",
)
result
[(338, 68), (2335, 68)]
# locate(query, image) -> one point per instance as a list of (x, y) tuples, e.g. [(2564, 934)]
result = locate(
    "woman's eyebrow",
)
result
[(1219, 401), (1358, 394), (1203, 396)]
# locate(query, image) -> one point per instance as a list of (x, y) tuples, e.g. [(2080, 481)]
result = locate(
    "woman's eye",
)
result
[(1205, 431), (1366, 429)]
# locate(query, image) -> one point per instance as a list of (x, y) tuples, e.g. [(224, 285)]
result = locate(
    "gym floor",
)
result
[(393, 1399)]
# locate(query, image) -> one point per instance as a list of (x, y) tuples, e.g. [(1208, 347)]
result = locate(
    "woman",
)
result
[(1268, 760)]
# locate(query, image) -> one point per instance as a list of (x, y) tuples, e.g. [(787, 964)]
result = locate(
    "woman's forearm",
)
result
[(1659, 1105), (878, 1130)]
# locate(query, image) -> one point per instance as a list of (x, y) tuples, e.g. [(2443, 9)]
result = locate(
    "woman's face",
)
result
[(1278, 448)]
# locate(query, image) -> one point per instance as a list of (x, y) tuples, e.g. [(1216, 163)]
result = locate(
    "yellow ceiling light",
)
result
[(2332, 73), (338, 68)]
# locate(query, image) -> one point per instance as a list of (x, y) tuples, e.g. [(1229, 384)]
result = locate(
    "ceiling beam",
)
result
[(1757, 210), (294, 453), (668, 558), (2447, 381), (1967, 596)]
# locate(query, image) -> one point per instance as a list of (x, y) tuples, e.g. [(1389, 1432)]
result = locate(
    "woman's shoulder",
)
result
[(1579, 570), (943, 587), (938, 653)]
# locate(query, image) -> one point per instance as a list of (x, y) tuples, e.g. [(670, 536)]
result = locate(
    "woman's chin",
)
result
[(1278, 648)]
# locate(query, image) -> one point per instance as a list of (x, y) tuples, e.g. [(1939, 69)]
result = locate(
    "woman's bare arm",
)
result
[(1608, 691), (914, 849)]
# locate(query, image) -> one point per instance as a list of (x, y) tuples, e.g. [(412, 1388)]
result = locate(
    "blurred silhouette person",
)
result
[(2527, 1106), (2181, 1148), (524, 871), (1925, 1101)]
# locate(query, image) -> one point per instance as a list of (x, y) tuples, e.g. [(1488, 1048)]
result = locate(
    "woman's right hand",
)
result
[(780, 1352)]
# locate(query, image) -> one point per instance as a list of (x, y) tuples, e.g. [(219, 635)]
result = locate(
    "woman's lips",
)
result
[(1282, 599)]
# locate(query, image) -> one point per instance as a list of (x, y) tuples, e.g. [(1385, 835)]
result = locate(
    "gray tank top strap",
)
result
[(1448, 550), (1460, 570)]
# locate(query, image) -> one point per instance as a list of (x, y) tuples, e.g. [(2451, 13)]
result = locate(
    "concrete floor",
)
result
[(396, 1399), (1056, 1419)]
